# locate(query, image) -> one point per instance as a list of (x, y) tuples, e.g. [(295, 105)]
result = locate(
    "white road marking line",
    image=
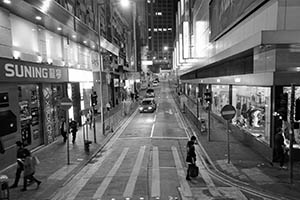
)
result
[(70, 190), (170, 138), (154, 118), (152, 130), (153, 137), (101, 189), (205, 175), (185, 188), (63, 172), (134, 173), (155, 189)]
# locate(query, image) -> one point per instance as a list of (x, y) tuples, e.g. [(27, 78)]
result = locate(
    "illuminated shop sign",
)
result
[(12, 70), (21, 71)]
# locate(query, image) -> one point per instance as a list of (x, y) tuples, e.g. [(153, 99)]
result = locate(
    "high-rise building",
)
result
[(161, 32)]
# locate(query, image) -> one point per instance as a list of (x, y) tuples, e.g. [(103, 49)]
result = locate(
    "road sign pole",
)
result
[(208, 130), (66, 104), (68, 143), (228, 143), (228, 112)]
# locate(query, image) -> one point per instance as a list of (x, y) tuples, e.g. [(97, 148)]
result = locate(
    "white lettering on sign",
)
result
[(26, 71)]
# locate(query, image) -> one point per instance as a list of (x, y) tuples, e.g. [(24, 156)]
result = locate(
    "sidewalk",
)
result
[(245, 166), (54, 170)]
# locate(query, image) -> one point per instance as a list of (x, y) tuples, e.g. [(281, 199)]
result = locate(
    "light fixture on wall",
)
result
[(7, 1), (38, 17), (237, 80), (59, 28)]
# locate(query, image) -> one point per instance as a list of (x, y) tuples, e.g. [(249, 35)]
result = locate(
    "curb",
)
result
[(106, 140)]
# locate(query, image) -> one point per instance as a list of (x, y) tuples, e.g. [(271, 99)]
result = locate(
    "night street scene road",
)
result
[(149, 99)]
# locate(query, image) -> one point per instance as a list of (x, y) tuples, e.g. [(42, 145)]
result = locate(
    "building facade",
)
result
[(247, 55), (49, 50), (161, 33)]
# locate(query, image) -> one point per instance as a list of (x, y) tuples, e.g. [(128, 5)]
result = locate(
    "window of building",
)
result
[(220, 98), (24, 35), (253, 110)]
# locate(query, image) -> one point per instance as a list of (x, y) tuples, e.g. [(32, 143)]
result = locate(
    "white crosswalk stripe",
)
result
[(155, 189), (134, 174), (101, 189)]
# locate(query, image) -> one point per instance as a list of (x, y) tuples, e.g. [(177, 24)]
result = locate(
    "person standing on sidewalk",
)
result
[(63, 129), (191, 156), (279, 149), (21, 152), (74, 129), (29, 170)]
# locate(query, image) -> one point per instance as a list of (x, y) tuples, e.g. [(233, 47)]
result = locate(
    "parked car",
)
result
[(147, 105), (150, 93), (155, 83)]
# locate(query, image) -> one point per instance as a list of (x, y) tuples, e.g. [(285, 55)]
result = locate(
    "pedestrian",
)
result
[(191, 156), (29, 170), (63, 129), (279, 148), (21, 151), (74, 129)]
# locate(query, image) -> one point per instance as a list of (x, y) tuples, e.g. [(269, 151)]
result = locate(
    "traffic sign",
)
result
[(228, 112), (66, 103)]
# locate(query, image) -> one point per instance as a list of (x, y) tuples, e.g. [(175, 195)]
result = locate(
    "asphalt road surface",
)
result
[(146, 160)]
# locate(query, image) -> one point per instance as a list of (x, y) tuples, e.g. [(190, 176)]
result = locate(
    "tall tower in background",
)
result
[(161, 33)]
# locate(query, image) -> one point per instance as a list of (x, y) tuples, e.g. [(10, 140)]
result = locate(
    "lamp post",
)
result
[(100, 72)]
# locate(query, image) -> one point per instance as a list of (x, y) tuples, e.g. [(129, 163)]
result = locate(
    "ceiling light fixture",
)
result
[(38, 17), (7, 1)]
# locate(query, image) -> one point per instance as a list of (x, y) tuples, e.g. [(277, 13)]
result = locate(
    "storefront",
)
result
[(29, 104)]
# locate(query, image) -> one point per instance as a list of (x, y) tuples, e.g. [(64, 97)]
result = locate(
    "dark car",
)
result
[(149, 93), (147, 105)]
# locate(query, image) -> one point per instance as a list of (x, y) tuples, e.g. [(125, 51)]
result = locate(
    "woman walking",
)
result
[(29, 170)]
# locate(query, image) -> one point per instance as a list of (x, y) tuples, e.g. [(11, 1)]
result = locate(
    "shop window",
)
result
[(30, 115), (253, 110), (286, 121), (220, 98)]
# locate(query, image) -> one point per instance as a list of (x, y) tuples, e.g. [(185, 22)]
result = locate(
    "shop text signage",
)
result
[(25, 71)]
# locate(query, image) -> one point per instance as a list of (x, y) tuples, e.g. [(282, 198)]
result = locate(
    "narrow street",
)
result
[(146, 160)]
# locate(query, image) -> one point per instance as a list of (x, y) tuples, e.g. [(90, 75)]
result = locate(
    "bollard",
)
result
[(4, 188)]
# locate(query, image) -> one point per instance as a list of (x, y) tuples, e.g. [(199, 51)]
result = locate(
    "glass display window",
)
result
[(30, 115), (286, 124), (220, 98), (253, 110)]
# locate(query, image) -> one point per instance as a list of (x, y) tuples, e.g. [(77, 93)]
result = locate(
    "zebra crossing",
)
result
[(88, 182)]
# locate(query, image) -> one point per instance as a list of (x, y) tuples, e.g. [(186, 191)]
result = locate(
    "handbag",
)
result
[(194, 170)]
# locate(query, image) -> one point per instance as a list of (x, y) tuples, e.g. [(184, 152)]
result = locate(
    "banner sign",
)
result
[(225, 14), (16, 70)]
